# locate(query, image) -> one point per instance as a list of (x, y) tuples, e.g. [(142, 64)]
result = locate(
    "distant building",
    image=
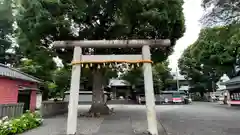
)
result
[(220, 86), (233, 88), (85, 97), (120, 88), (183, 83)]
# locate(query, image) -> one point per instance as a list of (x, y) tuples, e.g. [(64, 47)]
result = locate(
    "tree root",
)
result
[(97, 114)]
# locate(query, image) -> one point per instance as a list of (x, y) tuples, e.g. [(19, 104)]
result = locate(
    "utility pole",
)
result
[(177, 79), (213, 87)]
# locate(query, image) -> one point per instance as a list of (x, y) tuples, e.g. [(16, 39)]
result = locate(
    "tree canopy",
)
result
[(6, 30), (219, 48), (161, 76), (37, 23), (216, 52), (191, 69), (42, 22)]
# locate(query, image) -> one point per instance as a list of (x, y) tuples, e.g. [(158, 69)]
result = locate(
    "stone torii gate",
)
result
[(145, 58)]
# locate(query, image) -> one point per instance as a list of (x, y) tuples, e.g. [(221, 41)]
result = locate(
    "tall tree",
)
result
[(61, 78), (42, 22), (37, 69), (6, 30), (191, 69), (163, 72), (216, 52), (218, 48)]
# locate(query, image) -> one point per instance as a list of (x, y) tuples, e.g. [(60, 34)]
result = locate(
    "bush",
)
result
[(15, 126)]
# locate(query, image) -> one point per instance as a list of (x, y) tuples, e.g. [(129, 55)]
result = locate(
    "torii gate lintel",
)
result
[(113, 43)]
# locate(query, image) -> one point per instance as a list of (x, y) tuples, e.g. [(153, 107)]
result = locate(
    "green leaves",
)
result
[(101, 20), (40, 22), (19, 125), (217, 47), (6, 30), (61, 78), (161, 76), (214, 53)]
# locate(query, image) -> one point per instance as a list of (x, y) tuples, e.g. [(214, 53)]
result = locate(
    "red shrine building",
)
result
[(18, 87)]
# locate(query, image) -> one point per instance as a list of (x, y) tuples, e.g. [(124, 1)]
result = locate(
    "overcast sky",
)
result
[(192, 12)]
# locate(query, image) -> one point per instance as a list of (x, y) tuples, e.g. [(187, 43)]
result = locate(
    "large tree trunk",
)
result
[(99, 107)]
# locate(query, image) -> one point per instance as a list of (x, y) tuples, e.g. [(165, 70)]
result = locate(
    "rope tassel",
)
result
[(138, 65), (132, 65)]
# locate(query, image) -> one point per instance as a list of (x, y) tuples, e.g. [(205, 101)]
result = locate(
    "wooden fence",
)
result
[(11, 110)]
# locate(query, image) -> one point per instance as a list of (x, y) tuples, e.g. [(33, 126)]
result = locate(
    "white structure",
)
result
[(84, 97), (38, 100), (145, 57), (221, 90), (182, 85), (117, 82), (224, 78), (184, 88), (177, 76), (113, 83)]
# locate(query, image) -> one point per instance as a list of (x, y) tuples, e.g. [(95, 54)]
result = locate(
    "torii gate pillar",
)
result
[(149, 92), (74, 93)]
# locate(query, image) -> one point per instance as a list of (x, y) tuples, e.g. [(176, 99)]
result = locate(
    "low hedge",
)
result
[(19, 125)]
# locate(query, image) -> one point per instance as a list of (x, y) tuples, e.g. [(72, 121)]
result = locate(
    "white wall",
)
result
[(83, 98), (38, 101)]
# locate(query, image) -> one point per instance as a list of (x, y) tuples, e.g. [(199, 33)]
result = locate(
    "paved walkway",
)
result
[(194, 119), (202, 119), (128, 120)]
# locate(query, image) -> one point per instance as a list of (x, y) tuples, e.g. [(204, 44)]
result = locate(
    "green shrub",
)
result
[(15, 126)]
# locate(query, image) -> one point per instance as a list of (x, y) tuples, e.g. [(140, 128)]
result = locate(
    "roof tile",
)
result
[(13, 73)]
